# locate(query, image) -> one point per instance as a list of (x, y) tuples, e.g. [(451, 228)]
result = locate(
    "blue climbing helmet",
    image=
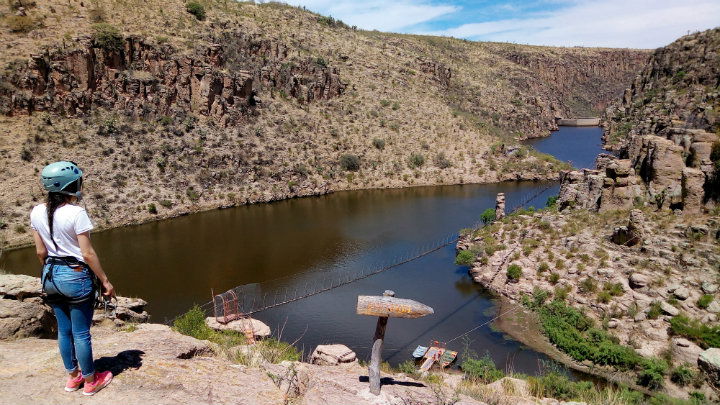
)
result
[(57, 176)]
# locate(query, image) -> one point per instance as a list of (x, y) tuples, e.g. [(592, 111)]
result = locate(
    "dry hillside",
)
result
[(170, 113)]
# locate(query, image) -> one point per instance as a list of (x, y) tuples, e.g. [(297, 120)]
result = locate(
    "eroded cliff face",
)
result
[(665, 130), (148, 81), (549, 83)]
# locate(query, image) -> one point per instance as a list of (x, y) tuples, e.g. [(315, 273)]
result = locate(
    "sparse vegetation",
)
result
[(704, 301), (192, 323)]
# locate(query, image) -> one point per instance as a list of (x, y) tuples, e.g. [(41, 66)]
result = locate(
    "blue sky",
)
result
[(611, 23)]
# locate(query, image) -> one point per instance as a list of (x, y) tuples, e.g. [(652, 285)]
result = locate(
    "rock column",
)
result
[(500, 206)]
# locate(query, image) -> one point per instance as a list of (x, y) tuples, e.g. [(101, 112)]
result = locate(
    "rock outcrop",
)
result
[(665, 131), (146, 81), (631, 271), (709, 361)]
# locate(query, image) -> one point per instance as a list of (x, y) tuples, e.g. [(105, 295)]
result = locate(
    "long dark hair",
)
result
[(54, 201)]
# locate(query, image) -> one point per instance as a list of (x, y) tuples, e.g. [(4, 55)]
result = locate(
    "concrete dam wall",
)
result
[(579, 122)]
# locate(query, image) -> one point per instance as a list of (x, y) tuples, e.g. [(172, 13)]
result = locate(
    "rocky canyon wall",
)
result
[(665, 131)]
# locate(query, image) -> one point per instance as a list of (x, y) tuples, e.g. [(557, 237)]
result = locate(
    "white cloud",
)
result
[(377, 14), (611, 23)]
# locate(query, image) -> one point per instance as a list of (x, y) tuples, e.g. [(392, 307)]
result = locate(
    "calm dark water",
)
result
[(174, 264), (577, 145)]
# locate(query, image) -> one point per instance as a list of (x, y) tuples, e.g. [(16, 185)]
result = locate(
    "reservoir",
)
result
[(291, 244)]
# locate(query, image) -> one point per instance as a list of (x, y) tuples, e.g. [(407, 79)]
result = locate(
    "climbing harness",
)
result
[(55, 295)]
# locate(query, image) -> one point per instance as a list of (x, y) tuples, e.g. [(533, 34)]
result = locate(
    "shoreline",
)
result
[(521, 324), (162, 217)]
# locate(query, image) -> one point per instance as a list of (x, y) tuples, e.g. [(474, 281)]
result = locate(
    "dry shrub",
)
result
[(21, 23)]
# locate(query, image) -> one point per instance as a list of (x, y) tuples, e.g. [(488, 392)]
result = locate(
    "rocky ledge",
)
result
[(155, 364), (631, 276)]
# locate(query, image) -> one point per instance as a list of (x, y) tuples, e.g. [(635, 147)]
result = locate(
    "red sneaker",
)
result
[(101, 381), (73, 384)]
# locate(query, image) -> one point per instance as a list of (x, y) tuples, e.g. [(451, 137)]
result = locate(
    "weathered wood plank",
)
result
[(391, 307)]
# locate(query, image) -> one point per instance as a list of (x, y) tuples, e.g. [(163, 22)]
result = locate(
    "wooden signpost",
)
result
[(386, 307)]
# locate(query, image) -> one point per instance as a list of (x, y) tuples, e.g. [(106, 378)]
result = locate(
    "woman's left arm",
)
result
[(40, 248)]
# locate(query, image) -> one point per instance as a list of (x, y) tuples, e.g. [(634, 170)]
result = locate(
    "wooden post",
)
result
[(384, 307), (376, 354)]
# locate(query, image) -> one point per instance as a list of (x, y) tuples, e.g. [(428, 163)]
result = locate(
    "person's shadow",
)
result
[(120, 362)]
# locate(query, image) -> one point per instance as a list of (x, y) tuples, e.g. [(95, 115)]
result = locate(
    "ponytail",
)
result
[(54, 201)]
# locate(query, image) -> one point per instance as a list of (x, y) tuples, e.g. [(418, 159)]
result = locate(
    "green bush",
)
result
[(107, 37), (416, 160), (551, 201), (488, 216), (192, 323), (572, 332), (442, 161), (655, 310), (554, 278), (543, 267), (407, 367), (539, 297), (558, 386), (652, 374), (682, 375), (704, 335), (561, 292), (152, 208), (481, 370), (379, 143), (514, 272), (604, 297), (465, 258), (588, 285), (196, 9), (350, 162), (614, 289), (705, 301)]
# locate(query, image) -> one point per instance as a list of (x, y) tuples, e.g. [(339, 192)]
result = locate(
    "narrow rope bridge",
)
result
[(246, 300)]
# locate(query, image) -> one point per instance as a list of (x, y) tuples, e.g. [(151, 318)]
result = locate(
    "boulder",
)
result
[(709, 362), (19, 287), (709, 288), (20, 319), (332, 355), (638, 280), (259, 329), (714, 307), (685, 351), (669, 309), (682, 293)]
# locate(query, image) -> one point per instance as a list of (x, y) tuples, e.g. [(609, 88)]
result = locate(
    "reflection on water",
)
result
[(176, 263)]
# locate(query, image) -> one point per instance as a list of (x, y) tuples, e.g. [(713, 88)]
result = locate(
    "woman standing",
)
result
[(61, 231)]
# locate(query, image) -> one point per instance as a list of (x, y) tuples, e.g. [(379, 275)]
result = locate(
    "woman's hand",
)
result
[(108, 289)]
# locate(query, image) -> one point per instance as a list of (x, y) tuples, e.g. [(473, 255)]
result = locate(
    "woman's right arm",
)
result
[(93, 261), (40, 248)]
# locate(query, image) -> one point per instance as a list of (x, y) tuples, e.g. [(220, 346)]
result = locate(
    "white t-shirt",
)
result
[(68, 221)]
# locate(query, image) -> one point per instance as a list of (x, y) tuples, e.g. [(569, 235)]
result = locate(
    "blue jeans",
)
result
[(73, 319)]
